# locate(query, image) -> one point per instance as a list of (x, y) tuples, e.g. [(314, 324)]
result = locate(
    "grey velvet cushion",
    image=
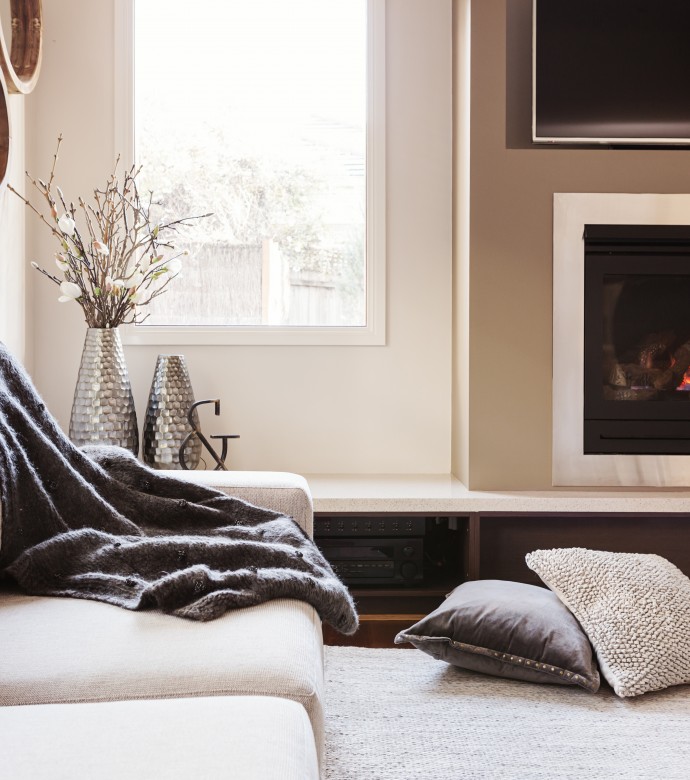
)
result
[(507, 629)]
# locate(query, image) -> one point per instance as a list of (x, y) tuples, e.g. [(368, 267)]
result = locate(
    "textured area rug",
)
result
[(399, 714)]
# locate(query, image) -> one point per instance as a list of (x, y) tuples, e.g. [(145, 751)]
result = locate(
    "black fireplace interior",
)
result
[(637, 339)]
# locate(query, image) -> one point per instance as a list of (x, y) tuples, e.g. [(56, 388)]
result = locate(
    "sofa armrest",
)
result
[(278, 490)]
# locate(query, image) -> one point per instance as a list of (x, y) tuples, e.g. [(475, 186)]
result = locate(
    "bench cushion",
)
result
[(253, 738), (59, 650)]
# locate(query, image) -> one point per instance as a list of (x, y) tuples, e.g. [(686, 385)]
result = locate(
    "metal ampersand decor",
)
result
[(193, 419)]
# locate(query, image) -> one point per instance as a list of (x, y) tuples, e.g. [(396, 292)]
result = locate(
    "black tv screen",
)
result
[(611, 71)]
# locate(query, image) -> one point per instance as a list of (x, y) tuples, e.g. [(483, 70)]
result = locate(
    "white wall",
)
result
[(306, 409), (13, 266)]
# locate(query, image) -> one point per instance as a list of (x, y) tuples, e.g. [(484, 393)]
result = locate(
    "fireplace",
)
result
[(634, 412), (636, 339)]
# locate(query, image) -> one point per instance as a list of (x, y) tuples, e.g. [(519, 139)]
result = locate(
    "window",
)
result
[(269, 114)]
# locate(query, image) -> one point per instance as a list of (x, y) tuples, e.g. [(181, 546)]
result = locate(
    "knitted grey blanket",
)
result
[(94, 523)]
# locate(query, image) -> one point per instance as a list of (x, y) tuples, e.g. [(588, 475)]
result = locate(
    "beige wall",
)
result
[(509, 284), (347, 409), (13, 266), (388, 409), (307, 409), (461, 422)]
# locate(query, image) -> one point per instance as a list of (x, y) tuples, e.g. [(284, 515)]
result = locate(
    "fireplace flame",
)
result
[(685, 382)]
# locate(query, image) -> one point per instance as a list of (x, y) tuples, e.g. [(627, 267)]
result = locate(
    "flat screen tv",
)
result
[(611, 71)]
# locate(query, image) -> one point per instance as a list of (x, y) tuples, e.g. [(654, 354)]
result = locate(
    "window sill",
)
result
[(253, 336)]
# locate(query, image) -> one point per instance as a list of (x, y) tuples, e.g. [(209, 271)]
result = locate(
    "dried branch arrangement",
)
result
[(113, 258)]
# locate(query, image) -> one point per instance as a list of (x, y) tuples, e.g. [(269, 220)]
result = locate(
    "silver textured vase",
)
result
[(103, 408), (166, 424)]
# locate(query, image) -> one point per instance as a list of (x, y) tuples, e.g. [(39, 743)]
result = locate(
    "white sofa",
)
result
[(90, 690)]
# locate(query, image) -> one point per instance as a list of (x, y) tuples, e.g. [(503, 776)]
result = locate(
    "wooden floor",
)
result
[(374, 631)]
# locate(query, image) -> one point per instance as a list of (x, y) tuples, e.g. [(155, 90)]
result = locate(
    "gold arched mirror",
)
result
[(20, 43), (4, 132), (6, 21)]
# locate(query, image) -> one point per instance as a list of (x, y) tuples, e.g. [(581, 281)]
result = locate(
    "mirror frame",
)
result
[(22, 63)]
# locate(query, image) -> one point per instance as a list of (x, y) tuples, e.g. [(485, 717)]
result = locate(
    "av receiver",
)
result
[(389, 525), (375, 561)]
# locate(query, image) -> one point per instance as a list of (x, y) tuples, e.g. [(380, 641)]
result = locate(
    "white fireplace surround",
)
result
[(570, 466)]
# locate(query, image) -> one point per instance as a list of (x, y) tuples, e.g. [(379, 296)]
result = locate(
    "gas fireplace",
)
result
[(637, 339)]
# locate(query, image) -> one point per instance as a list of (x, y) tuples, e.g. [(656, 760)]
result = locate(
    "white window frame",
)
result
[(371, 334)]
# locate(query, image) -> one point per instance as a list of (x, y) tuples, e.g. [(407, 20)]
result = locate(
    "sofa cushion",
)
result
[(278, 490), (58, 650), (254, 738)]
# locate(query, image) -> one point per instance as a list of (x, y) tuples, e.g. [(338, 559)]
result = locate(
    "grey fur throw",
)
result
[(94, 523)]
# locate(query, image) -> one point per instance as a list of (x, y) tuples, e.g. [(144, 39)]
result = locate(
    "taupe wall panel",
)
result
[(511, 189)]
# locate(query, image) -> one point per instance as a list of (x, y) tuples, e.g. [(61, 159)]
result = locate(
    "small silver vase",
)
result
[(166, 424), (103, 408)]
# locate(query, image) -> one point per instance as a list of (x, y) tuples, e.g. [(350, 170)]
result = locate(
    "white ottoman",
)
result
[(210, 738)]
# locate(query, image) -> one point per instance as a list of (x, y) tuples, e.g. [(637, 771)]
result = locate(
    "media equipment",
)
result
[(373, 550), (371, 526), (611, 71), (365, 561)]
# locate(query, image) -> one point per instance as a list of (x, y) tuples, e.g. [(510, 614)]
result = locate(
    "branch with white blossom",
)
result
[(114, 259)]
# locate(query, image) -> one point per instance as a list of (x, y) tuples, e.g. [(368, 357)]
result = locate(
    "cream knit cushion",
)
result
[(634, 608)]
